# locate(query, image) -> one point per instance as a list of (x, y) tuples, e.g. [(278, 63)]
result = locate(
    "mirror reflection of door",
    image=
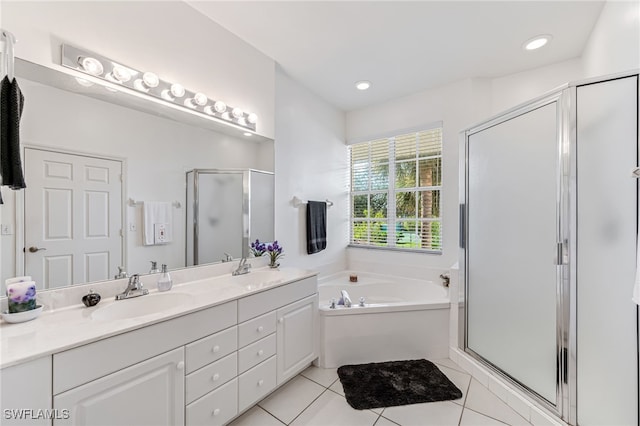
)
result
[(73, 218)]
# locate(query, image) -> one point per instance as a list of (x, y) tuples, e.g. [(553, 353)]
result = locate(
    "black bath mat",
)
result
[(388, 384)]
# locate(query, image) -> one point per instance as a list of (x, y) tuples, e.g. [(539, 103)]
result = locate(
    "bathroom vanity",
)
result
[(200, 363)]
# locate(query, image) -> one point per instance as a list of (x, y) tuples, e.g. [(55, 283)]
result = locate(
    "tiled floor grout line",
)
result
[(493, 418), (309, 405), (271, 415)]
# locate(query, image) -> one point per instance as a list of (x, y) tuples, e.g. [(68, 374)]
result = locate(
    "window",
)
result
[(396, 186)]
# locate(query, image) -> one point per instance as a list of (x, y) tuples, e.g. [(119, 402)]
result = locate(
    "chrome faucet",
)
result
[(227, 257), (344, 299), (446, 278), (243, 267), (121, 273), (134, 289)]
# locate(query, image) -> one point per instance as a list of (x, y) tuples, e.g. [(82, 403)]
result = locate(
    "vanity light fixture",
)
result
[(363, 85), (149, 84), (537, 42)]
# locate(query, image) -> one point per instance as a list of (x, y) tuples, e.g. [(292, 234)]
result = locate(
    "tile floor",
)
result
[(315, 398)]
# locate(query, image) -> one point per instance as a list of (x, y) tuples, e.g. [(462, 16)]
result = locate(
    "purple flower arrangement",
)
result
[(274, 251)]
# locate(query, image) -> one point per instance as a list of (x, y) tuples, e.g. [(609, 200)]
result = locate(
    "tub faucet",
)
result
[(134, 289), (445, 279), (243, 267), (344, 299)]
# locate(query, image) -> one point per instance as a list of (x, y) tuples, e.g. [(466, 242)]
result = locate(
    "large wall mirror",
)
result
[(92, 158)]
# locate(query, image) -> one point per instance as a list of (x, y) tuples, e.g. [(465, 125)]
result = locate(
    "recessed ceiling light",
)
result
[(537, 42), (363, 85), (247, 134)]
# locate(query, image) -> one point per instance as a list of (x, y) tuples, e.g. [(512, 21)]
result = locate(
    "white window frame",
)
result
[(391, 192)]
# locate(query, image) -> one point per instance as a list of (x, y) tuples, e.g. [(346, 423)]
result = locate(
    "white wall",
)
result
[(311, 163), (614, 45), (169, 38), (158, 152)]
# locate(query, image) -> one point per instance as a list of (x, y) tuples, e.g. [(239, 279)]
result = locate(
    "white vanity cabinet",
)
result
[(124, 398), (201, 368), (25, 389)]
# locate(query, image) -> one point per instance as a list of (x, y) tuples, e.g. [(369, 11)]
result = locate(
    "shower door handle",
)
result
[(560, 254)]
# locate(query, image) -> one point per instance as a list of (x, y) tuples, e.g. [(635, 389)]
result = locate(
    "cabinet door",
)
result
[(25, 394), (296, 335), (148, 393)]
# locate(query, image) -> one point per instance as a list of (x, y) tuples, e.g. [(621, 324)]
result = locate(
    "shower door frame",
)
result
[(565, 334)]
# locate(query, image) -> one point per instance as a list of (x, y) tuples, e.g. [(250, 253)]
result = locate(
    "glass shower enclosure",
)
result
[(549, 222)]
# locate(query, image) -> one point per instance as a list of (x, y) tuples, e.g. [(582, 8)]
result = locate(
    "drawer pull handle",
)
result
[(180, 365), (215, 377), (260, 382), (260, 329), (215, 349), (216, 412), (260, 352)]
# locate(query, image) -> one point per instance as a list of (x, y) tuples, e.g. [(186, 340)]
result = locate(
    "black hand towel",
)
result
[(316, 226), (11, 105)]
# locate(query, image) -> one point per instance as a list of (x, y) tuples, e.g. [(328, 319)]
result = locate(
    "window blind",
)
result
[(396, 186)]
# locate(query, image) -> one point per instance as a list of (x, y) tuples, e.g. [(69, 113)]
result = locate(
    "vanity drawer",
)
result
[(256, 383), (257, 328), (256, 352), (211, 348), (215, 408), (211, 377)]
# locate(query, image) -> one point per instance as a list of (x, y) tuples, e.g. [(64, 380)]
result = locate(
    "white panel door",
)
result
[(149, 393), (73, 218), (511, 314), (607, 206), (296, 337)]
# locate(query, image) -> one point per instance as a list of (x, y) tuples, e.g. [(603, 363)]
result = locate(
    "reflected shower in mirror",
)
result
[(84, 159)]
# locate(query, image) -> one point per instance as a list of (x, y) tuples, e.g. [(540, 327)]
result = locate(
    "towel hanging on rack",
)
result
[(11, 107), (316, 226)]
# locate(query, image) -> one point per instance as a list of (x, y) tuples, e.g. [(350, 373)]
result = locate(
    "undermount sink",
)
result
[(141, 306)]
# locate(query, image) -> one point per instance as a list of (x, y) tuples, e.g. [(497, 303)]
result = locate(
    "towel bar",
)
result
[(297, 202), (134, 203)]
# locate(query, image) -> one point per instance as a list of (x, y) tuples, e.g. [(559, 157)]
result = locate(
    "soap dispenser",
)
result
[(164, 282)]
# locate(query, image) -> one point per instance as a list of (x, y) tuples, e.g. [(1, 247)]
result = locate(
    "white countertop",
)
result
[(65, 328)]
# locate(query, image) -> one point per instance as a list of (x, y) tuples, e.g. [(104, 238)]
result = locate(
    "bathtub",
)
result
[(402, 319)]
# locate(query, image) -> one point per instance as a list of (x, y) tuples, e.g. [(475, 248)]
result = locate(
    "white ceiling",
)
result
[(403, 47)]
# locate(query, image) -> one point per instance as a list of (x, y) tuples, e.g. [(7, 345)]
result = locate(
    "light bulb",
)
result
[(226, 116), (252, 118), (190, 103), (91, 65), (209, 110), (237, 112), (177, 90), (220, 107), (121, 74), (200, 99), (242, 121), (150, 79)]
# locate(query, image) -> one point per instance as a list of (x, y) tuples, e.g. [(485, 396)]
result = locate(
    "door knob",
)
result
[(34, 249)]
